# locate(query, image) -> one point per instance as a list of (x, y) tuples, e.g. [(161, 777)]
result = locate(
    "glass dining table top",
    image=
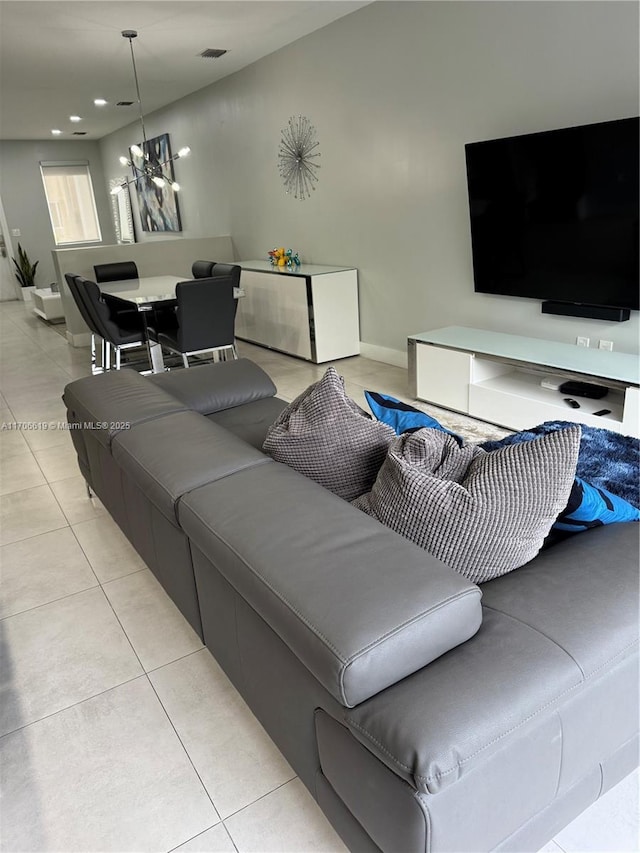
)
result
[(144, 292)]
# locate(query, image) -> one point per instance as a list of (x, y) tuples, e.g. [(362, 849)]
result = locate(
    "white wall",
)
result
[(395, 90)]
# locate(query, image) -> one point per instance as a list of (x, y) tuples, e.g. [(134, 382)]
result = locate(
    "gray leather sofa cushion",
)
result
[(442, 722), (169, 457), (358, 604), (572, 591), (547, 633), (210, 388), (251, 421), (115, 401)]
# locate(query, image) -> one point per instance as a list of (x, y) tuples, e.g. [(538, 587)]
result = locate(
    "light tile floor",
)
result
[(118, 731)]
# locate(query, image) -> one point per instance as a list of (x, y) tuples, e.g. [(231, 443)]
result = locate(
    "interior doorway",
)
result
[(8, 283)]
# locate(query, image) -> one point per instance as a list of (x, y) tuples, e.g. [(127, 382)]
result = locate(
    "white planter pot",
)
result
[(26, 293)]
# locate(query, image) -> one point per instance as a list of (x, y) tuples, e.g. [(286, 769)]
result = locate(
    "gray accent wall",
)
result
[(395, 90), (25, 203)]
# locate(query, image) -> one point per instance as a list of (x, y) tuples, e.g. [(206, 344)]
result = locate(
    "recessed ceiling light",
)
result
[(75, 118), (100, 102), (56, 132)]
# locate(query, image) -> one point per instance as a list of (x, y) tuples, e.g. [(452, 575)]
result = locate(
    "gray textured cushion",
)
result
[(324, 435), (483, 514)]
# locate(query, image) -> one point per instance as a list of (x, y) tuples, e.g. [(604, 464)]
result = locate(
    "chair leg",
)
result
[(95, 366), (185, 360), (222, 353), (117, 349), (155, 356), (106, 355), (97, 355)]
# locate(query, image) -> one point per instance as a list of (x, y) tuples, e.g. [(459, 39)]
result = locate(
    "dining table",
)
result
[(145, 294)]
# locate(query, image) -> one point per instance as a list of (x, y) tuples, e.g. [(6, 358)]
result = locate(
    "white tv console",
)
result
[(496, 377)]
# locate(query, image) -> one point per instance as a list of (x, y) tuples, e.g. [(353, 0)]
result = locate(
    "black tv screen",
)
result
[(554, 215)]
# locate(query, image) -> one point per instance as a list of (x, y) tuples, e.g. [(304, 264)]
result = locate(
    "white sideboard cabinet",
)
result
[(310, 311), (499, 378)]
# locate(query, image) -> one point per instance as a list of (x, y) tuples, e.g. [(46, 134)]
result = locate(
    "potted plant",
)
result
[(25, 272)]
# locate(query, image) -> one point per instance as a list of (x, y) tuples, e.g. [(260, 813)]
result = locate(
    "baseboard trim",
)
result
[(81, 340), (383, 354)]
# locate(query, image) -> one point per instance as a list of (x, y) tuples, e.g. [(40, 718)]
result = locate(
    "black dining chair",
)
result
[(202, 269), (110, 323), (213, 269), (232, 270), (88, 319), (203, 321), (119, 271)]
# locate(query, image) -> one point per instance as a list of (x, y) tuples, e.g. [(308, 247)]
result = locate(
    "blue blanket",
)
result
[(606, 459)]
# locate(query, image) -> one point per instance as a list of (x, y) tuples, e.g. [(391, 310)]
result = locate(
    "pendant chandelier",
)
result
[(143, 166)]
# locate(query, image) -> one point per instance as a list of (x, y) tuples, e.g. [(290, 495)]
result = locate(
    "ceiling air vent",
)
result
[(124, 104), (212, 53), (79, 133)]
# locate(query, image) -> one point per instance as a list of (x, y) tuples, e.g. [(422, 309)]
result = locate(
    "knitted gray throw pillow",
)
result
[(484, 514), (326, 436)]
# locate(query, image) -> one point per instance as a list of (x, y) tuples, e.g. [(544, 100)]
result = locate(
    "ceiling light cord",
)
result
[(130, 34), (149, 171)]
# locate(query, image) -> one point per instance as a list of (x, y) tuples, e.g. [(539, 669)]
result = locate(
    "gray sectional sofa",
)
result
[(424, 713)]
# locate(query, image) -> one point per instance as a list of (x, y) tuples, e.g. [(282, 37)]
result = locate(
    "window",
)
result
[(72, 206)]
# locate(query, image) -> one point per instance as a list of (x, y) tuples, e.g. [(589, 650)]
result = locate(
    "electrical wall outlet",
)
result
[(582, 342), (605, 345)]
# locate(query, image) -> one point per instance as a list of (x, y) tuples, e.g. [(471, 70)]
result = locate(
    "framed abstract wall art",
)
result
[(158, 205)]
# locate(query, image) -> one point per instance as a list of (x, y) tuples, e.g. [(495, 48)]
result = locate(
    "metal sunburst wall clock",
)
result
[(297, 157)]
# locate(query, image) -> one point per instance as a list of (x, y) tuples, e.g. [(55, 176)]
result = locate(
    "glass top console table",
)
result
[(509, 379)]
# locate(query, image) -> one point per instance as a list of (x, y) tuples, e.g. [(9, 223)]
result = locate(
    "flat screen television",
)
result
[(554, 216)]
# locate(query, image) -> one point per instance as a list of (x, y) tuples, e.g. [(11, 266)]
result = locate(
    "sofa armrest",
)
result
[(359, 605), (216, 387)]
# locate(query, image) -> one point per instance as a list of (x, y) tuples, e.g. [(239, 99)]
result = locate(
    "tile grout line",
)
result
[(53, 600), (193, 838), (262, 797), (166, 713), (31, 535), (186, 751), (69, 707)]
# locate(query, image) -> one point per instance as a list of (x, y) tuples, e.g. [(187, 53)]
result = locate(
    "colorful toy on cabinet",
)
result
[(284, 258)]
